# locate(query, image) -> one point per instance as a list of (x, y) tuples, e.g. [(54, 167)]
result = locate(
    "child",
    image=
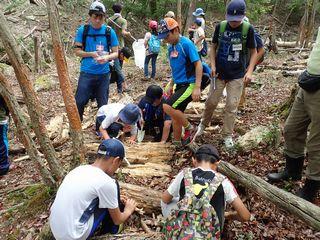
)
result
[(4, 148), (199, 36), (152, 45), (156, 122), (112, 118), (198, 197)]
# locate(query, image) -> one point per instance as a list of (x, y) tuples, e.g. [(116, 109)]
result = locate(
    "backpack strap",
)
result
[(108, 37), (188, 181), (214, 185), (222, 29), (244, 31), (85, 34)]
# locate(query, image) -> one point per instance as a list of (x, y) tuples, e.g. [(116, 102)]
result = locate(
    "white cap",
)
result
[(98, 6)]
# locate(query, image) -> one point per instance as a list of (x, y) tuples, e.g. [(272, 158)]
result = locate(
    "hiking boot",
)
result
[(292, 170), (228, 142), (188, 136), (309, 190)]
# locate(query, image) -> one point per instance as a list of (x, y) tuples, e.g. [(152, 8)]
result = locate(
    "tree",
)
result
[(179, 13), (192, 7)]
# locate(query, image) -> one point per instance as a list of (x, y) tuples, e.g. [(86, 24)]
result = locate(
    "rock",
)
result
[(6, 69), (44, 82)]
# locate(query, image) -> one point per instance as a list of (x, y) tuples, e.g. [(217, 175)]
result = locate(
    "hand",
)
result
[(103, 59), (94, 55), (213, 71), (247, 78), (132, 141), (168, 89), (196, 93), (127, 128), (130, 205)]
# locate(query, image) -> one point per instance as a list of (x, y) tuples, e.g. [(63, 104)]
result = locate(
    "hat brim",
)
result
[(198, 14), (125, 119), (163, 35), (234, 18)]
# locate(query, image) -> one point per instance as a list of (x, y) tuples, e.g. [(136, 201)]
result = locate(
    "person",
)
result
[(4, 144), (302, 131), (114, 117), (260, 58), (170, 14), (231, 42), (195, 201), (119, 23), (186, 70), (156, 122), (93, 43), (152, 45), (89, 197), (199, 36), (199, 13)]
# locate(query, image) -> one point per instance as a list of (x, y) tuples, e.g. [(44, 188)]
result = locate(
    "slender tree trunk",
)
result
[(192, 7), (306, 27), (30, 97), (179, 18), (153, 6), (24, 131), (65, 85)]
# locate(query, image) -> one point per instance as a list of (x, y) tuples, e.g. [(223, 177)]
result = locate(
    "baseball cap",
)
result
[(130, 114), (198, 12), (112, 148), (236, 10), (208, 149), (98, 6), (197, 21), (153, 92), (165, 26), (170, 14)]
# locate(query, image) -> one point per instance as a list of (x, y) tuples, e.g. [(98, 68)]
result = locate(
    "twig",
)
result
[(28, 34), (145, 227)]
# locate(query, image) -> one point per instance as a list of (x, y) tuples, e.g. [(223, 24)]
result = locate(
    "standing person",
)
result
[(231, 42), (89, 197), (302, 131), (170, 14), (199, 13), (152, 45), (194, 204), (4, 144), (93, 43), (120, 25), (186, 70), (199, 36)]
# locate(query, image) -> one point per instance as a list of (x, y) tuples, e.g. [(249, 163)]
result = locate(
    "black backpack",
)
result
[(86, 34)]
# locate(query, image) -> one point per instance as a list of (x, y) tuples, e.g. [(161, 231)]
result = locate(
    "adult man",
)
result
[(93, 43), (302, 130), (89, 197), (186, 70), (232, 41)]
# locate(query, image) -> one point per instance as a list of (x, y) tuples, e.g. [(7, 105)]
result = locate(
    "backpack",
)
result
[(86, 34), (195, 218), (154, 44), (204, 50)]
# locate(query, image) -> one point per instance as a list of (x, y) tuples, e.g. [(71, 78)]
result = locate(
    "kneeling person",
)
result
[(89, 197), (112, 118)]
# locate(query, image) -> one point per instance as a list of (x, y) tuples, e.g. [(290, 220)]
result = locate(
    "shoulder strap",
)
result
[(84, 36), (108, 37), (184, 53), (222, 29), (188, 181), (214, 185), (244, 31)]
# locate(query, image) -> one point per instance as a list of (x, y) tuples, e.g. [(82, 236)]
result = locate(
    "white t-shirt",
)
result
[(77, 191), (111, 111), (199, 32), (146, 39)]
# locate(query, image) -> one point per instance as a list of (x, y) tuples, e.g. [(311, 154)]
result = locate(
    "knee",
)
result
[(167, 108)]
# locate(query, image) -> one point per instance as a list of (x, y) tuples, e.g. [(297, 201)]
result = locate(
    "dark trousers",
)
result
[(4, 149), (92, 86), (153, 58), (120, 75), (113, 129)]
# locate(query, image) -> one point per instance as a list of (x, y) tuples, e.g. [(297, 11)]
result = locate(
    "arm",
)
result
[(196, 93), (241, 214), (213, 54), (260, 53), (83, 54), (104, 133), (200, 39), (253, 59), (120, 217)]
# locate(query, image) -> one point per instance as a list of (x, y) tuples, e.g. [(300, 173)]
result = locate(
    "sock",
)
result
[(176, 143)]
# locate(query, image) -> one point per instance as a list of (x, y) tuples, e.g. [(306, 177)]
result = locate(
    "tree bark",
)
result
[(179, 18), (24, 131), (65, 85), (192, 7), (306, 27), (304, 210), (30, 97)]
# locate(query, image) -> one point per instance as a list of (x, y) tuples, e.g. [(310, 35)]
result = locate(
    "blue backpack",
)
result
[(154, 44)]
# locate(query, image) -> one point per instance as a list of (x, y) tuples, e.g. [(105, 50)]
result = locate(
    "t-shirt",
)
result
[(151, 112), (88, 64), (199, 32), (226, 193), (258, 38), (4, 112), (231, 59), (111, 113), (77, 191), (119, 20), (182, 63)]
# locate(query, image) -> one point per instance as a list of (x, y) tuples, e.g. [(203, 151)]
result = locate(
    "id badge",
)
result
[(237, 47), (174, 54)]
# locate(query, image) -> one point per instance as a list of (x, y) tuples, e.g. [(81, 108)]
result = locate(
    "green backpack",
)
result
[(194, 218)]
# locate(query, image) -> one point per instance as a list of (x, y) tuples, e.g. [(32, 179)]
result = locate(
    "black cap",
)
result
[(210, 150), (126, 52), (153, 93)]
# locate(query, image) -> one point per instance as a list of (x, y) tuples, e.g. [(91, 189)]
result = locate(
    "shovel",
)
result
[(141, 134)]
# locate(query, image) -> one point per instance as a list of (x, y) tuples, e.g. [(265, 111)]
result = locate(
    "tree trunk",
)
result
[(304, 210), (192, 7), (65, 85), (179, 18), (30, 97), (272, 30), (24, 131), (153, 6)]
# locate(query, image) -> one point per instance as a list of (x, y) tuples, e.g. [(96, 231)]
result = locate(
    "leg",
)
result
[(178, 121), (243, 97), (153, 65), (234, 89), (99, 120), (118, 69), (4, 149), (102, 89), (166, 130), (84, 91), (146, 65)]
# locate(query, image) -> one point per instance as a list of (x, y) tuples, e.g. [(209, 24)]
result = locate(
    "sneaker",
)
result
[(188, 136), (200, 130), (228, 142)]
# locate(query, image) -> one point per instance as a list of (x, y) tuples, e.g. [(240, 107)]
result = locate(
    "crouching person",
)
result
[(89, 198), (115, 117), (200, 195)]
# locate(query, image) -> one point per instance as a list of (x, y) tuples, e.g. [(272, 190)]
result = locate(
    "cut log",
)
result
[(147, 170), (286, 44), (304, 210), (146, 198), (295, 73)]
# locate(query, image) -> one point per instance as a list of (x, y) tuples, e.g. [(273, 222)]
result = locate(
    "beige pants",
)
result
[(234, 89), (304, 115)]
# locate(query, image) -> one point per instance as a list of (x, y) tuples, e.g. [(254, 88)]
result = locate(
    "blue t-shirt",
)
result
[(88, 64), (258, 39), (182, 63)]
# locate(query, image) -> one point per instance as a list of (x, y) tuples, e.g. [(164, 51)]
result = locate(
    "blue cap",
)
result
[(198, 21), (130, 114), (198, 12), (236, 10), (112, 148)]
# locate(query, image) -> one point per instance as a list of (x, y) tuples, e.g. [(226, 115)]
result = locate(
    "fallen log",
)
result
[(147, 170), (295, 73), (304, 210)]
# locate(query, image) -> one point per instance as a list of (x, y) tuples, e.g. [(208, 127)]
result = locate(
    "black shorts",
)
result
[(182, 96)]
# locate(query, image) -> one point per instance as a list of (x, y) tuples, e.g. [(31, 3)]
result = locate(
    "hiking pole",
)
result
[(113, 22)]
